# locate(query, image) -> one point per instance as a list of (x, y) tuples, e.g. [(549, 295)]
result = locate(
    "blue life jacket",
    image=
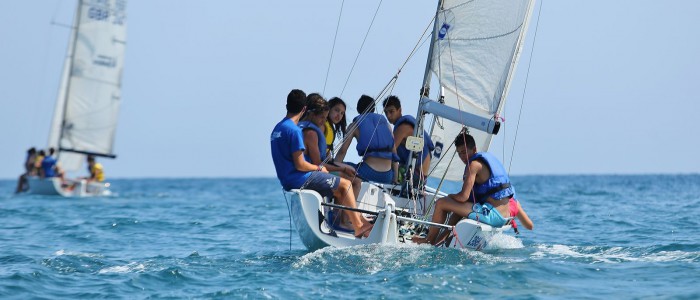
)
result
[(403, 153), (498, 185), (48, 165), (381, 144), (304, 125)]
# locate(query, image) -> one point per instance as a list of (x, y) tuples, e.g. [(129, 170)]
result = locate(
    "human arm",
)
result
[(340, 156), (469, 180), (311, 145), (304, 166), (523, 218), (400, 133)]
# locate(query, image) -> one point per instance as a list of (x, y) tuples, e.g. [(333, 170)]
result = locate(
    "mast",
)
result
[(67, 75), (425, 89)]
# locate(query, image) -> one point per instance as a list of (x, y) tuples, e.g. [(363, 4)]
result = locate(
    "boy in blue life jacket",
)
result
[(486, 177), (294, 172), (375, 143), (404, 125)]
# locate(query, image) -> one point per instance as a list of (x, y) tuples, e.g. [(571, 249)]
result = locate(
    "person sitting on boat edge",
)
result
[(36, 170), (336, 124), (404, 125), (375, 143), (96, 170), (293, 172), (22, 182), (315, 143), (486, 177), (49, 166)]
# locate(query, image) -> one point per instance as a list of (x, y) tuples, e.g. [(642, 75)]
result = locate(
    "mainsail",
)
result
[(474, 51), (87, 107)]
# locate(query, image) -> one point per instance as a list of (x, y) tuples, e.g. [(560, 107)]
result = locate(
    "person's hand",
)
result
[(350, 171)]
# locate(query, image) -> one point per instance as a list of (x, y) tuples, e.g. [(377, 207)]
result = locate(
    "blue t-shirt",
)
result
[(286, 139), (48, 164)]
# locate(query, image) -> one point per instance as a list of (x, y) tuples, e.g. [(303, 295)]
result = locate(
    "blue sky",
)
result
[(611, 88)]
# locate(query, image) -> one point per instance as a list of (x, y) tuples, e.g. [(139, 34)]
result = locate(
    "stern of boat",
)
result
[(315, 232)]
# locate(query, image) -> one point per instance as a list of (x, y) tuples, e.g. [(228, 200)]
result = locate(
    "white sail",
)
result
[(474, 53), (88, 103)]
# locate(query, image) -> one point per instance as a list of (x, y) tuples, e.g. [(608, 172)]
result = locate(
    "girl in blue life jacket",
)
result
[(312, 126)]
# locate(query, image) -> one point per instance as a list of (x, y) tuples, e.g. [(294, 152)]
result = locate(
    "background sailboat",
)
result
[(87, 107)]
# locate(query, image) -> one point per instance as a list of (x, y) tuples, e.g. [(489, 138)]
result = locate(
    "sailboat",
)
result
[(474, 49), (87, 106)]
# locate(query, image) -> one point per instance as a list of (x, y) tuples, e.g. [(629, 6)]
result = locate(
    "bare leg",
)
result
[(442, 207), (345, 194), (21, 183), (356, 186)]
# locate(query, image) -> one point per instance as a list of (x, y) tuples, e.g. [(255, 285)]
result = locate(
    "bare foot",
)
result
[(364, 231)]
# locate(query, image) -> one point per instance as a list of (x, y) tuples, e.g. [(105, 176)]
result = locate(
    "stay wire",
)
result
[(330, 60), (360, 50), (289, 211), (527, 76)]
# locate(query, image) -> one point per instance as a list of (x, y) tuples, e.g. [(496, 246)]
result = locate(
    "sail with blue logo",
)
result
[(475, 48), (85, 117)]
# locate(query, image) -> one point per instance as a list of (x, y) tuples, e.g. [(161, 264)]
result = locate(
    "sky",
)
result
[(611, 85)]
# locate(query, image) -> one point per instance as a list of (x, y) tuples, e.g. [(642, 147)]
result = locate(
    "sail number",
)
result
[(100, 10)]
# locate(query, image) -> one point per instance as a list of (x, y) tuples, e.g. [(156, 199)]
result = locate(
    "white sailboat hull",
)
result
[(55, 187), (315, 232)]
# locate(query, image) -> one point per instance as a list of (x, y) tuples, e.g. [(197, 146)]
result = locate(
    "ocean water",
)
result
[(619, 237)]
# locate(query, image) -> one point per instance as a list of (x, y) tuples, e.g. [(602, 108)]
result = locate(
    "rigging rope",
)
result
[(330, 60), (289, 211), (361, 46), (527, 76)]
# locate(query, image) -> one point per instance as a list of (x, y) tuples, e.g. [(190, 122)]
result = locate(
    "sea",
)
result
[(595, 237)]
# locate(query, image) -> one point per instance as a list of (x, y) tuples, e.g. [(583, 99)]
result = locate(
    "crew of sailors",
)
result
[(43, 164), (302, 147)]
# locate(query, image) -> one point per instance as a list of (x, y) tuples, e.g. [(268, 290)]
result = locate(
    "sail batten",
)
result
[(88, 103), (473, 56)]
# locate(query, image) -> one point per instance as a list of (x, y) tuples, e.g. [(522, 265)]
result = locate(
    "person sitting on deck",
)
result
[(96, 170), (22, 182), (375, 143), (315, 143), (492, 191), (404, 125), (293, 172), (336, 124), (49, 166), (36, 170)]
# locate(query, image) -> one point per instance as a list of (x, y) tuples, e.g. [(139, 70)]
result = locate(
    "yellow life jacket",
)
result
[(97, 172)]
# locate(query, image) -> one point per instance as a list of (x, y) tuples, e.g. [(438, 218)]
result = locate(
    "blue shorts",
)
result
[(368, 174), (486, 214), (323, 183)]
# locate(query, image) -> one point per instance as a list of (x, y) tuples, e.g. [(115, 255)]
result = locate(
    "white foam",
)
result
[(504, 241), (131, 267), (613, 254)]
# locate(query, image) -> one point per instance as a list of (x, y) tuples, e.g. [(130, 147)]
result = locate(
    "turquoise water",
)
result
[(594, 237)]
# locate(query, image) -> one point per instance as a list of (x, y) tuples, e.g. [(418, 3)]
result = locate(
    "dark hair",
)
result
[(365, 105), (52, 151), (464, 138), (338, 129), (42, 153), (392, 101), (296, 100), (90, 158), (31, 150), (315, 104)]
